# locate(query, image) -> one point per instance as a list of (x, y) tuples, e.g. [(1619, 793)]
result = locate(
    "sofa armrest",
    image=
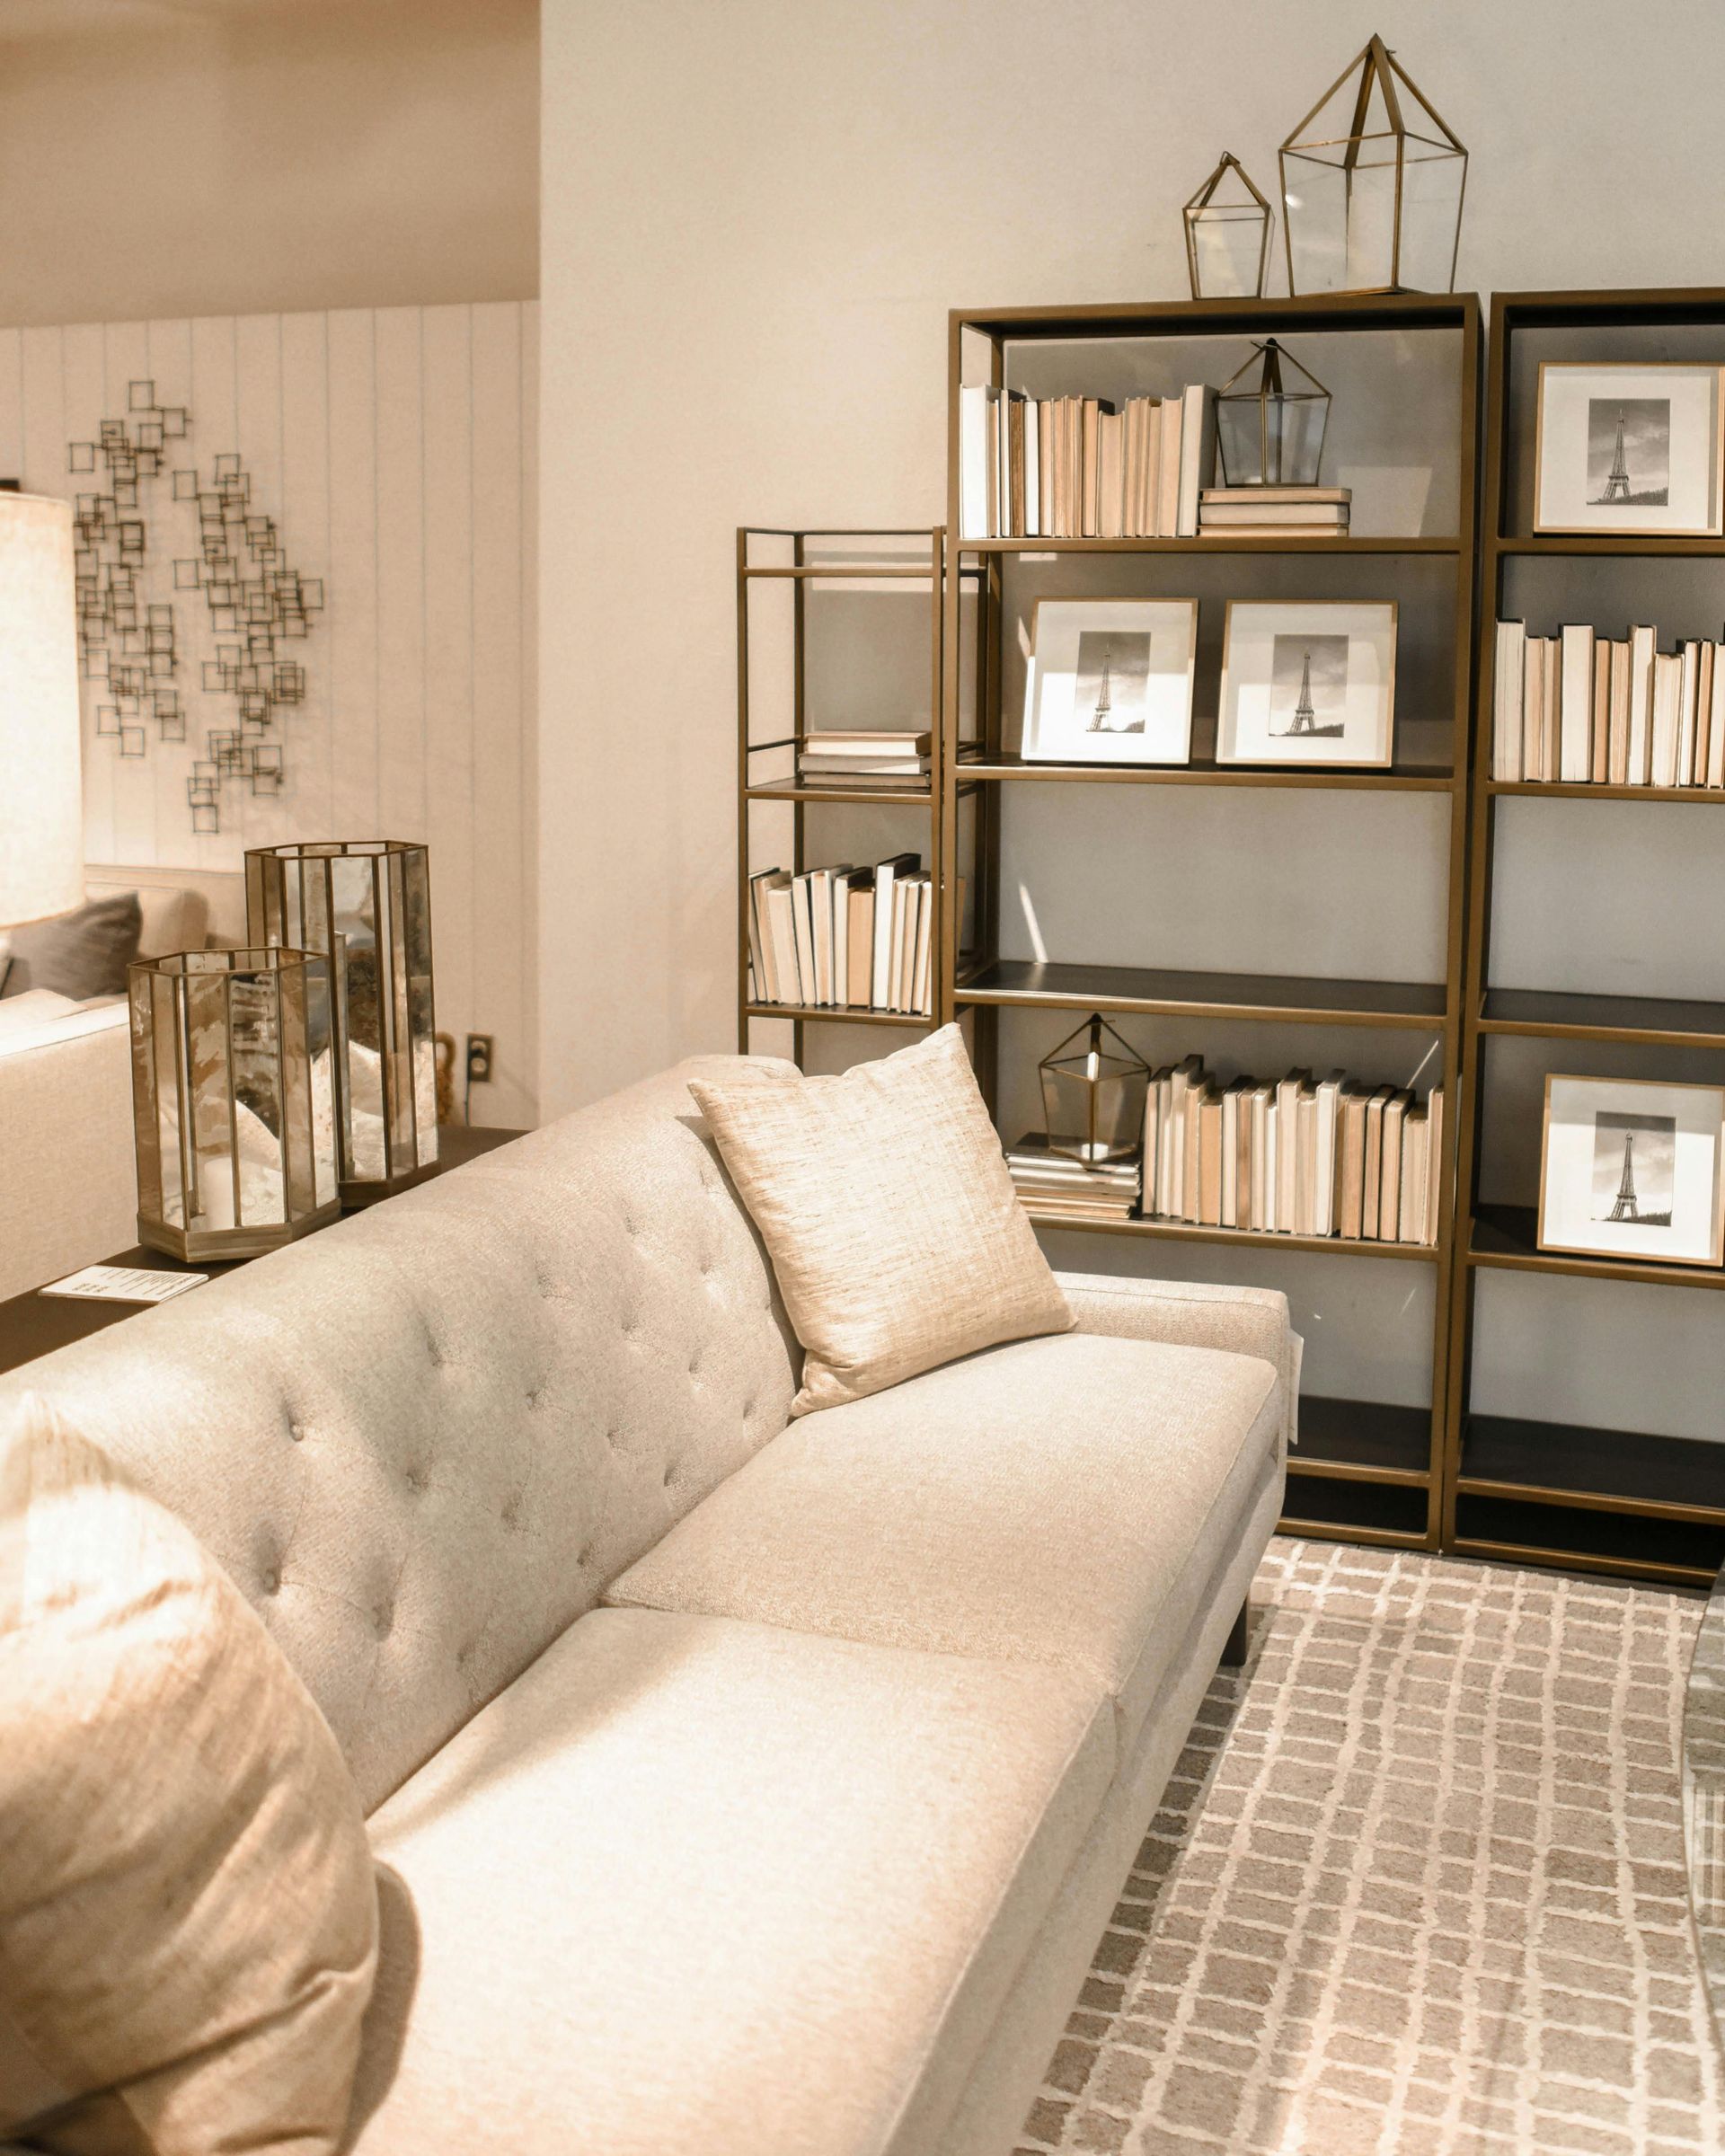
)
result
[(1184, 1314)]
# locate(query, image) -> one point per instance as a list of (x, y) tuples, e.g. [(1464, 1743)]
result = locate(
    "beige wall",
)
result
[(175, 157), (754, 218)]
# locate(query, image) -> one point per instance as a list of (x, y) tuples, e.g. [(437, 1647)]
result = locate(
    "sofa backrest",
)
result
[(424, 1440)]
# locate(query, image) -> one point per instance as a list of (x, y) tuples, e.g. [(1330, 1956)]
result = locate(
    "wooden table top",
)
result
[(34, 1324)]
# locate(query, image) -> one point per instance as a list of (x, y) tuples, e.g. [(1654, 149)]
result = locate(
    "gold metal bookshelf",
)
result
[(1554, 1492)]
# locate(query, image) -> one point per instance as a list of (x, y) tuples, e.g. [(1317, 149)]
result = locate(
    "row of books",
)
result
[(1081, 468), (844, 938), (1301, 1157), (1275, 512), (1582, 709), (870, 759)]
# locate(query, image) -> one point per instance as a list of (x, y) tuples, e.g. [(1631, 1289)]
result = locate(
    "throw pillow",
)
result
[(885, 1204), (188, 1909), (79, 954)]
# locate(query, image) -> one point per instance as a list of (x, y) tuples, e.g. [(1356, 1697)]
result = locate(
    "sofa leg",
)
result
[(1234, 1652)]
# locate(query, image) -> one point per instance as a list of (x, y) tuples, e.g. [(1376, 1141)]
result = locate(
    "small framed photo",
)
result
[(1110, 681), (1628, 448), (1308, 682), (1630, 1168)]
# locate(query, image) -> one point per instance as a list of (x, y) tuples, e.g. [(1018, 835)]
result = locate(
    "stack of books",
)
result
[(1300, 1157), (844, 938), (1081, 468), (1055, 1185), (1581, 709), (871, 760), (1275, 512)]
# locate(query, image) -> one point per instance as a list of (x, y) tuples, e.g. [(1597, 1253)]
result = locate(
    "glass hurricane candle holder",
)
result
[(1093, 1095), (1269, 427), (367, 903), (233, 1100), (1372, 186), (1227, 234)]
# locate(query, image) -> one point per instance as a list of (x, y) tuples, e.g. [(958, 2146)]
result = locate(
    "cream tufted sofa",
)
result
[(738, 1789)]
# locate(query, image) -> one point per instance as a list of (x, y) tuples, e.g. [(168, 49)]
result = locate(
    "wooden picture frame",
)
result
[(1677, 1191), (1280, 662), (1659, 468), (1132, 661)]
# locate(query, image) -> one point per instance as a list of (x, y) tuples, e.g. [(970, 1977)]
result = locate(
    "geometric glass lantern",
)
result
[(1268, 429), (1093, 1098), (1372, 184), (368, 904), (1227, 235), (233, 1100)]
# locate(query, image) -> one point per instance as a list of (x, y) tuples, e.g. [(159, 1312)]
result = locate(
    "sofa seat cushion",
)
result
[(1059, 1500), (692, 1887)]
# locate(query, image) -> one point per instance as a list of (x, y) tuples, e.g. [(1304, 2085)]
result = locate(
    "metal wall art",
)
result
[(258, 605)]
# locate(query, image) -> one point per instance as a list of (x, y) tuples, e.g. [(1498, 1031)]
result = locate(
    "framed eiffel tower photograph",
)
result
[(1630, 448), (1110, 681), (1630, 1168), (1309, 681)]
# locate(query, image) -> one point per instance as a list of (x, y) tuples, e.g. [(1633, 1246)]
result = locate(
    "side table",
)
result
[(33, 1323)]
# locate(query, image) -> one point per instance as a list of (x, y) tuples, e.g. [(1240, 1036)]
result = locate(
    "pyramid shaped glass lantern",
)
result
[(1270, 425), (1227, 234), (1092, 1099), (1372, 184)]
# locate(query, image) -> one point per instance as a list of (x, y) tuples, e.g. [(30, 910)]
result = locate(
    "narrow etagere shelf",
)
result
[(1365, 1471), (825, 560), (1633, 1504)]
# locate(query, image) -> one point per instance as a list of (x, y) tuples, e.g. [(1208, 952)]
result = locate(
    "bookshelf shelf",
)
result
[(1631, 1504), (1363, 1441), (1410, 779), (837, 1014), (1628, 544), (1025, 984), (1218, 543), (1185, 1231), (1338, 1485), (1507, 1237), (1561, 790), (1601, 1470), (875, 797), (1547, 1015)]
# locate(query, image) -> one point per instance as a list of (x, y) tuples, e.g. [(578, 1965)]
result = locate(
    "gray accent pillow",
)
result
[(79, 954)]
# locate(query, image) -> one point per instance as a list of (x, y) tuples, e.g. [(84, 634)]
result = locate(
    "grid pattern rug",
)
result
[(1416, 1889)]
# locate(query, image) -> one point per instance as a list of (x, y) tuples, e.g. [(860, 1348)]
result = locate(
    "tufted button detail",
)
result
[(271, 1582), (511, 1512), (584, 1556), (670, 1473), (748, 1408), (465, 1653), (416, 1479), (383, 1618)]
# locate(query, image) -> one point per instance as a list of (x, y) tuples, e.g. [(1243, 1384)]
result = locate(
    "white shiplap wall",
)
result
[(396, 449)]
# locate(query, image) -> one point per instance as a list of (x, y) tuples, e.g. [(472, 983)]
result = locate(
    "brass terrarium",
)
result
[(1093, 1095), (1372, 185), (233, 1100), (368, 904), (1227, 234), (1271, 416)]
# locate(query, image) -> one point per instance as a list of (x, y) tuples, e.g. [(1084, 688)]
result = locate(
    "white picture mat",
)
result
[(1243, 733), (1057, 732), (1567, 1207), (1566, 392)]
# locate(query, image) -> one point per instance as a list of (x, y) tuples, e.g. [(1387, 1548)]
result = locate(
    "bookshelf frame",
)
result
[(1572, 1497), (1365, 1471), (812, 550)]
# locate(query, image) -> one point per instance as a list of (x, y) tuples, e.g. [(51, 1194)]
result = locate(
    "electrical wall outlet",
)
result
[(479, 1059)]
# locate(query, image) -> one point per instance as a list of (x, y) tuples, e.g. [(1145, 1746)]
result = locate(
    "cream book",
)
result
[(1508, 681), (1643, 644), (1575, 704)]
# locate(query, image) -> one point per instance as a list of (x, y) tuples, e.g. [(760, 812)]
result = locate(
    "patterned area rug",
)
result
[(1418, 1888)]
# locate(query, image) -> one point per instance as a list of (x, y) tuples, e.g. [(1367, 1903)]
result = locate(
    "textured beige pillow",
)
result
[(888, 1214), (188, 1908)]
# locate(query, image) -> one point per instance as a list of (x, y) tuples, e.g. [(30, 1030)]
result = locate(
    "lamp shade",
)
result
[(42, 789)]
